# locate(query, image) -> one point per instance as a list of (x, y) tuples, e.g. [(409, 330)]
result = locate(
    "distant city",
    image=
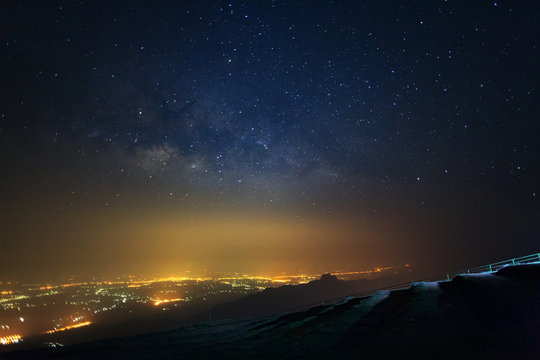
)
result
[(45, 313)]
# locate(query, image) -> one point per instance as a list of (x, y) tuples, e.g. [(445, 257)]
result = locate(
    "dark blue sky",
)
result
[(342, 109)]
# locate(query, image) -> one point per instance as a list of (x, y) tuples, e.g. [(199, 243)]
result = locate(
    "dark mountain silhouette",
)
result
[(293, 297)]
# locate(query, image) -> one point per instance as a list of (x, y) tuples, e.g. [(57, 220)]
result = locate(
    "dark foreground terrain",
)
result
[(482, 316)]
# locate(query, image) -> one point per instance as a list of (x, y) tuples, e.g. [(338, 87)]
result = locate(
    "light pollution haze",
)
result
[(266, 137)]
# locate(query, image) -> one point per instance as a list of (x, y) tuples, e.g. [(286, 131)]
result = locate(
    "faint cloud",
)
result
[(157, 157)]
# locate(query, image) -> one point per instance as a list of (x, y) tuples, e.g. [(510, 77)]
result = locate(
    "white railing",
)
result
[(480, 269), (496, 266)]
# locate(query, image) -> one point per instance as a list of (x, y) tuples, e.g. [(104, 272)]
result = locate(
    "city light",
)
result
[(11, 339), (159, 302), (51, 308), (69, 327)]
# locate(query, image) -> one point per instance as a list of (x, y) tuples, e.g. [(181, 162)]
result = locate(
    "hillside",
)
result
[(293, 297), (477, 316)]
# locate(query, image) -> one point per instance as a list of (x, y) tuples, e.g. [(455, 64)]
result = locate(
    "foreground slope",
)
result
[(294, 297), (478, 316)]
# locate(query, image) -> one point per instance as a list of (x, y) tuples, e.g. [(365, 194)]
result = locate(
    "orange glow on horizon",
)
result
[(229, 245)]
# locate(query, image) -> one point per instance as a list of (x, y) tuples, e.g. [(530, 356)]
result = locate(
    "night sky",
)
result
[(267, 136)]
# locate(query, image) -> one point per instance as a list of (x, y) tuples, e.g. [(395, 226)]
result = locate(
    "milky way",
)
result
[(356, 110)]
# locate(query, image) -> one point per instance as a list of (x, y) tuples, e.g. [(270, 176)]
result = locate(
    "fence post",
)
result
[(538, 256)]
